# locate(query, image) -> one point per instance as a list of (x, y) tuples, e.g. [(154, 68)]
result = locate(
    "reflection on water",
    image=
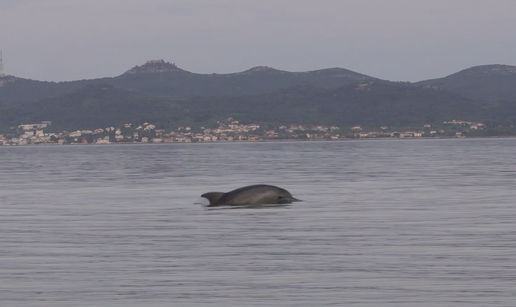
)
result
[(382, 223)]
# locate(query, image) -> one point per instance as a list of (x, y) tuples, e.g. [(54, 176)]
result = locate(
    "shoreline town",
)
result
[(230, 131)]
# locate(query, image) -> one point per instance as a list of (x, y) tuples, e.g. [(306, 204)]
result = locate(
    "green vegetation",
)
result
[(488, 83), (370, 104), (161, 93), (99, 105)]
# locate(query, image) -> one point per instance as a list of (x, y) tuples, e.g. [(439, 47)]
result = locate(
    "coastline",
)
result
[(262, 141)]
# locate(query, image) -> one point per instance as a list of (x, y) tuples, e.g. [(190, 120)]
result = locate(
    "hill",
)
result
[(160, 78), (13, 89), (368, 103), (99, 105), (486, 83), (164, 79)]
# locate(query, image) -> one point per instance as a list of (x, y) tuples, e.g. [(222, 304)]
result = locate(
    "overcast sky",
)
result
[(398, 40)]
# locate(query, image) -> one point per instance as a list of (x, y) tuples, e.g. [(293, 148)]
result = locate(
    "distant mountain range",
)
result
[(162, 93), (161, 78)]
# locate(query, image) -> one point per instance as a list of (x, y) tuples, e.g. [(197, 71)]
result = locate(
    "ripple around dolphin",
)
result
[(250, 206), (206, 203)]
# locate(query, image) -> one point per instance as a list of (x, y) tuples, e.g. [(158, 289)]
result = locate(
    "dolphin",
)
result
[(251, 195)]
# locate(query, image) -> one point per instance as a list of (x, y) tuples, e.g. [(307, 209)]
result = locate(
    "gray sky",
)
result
[(398, 40)]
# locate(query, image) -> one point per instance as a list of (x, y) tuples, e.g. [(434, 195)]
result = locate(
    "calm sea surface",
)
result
[(382, 223)]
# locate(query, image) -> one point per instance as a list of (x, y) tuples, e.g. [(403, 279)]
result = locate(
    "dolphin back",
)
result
[(255, 194)]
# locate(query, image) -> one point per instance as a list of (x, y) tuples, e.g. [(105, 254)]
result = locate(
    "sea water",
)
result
[(382, 223)]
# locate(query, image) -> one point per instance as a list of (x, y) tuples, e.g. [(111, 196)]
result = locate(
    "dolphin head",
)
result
[(284, 197)]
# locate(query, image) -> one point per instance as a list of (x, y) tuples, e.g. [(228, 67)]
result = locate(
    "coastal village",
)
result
[(228, 131)]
